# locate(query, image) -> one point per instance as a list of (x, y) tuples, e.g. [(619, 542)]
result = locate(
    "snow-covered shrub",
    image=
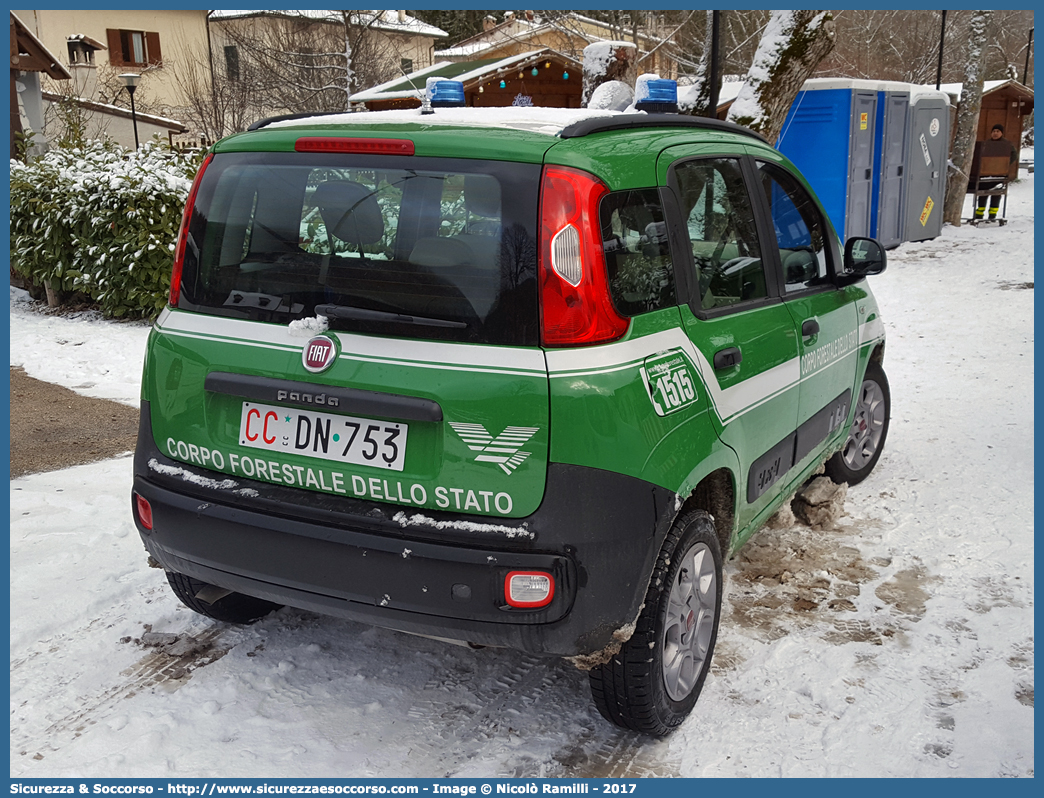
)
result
[(101, 221)]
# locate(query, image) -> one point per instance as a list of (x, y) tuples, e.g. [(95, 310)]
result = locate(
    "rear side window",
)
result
[(411, 247), (719, 220), (637, 255)]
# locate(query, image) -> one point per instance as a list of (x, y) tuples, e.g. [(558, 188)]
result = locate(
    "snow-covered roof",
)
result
[(392, 89), (83, 37), (509, 30), (548, 121), (820, 84), (916, 91), (987, 86), (386, 20), (520, 29), (116, 110), (412, 85), (39, 59), (729, 91)]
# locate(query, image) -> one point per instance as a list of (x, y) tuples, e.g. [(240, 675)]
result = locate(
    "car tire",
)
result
[(866, 437), (652, 684), (233, 608)]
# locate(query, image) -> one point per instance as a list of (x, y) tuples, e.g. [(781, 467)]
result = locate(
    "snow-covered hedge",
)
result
[(101, 221)]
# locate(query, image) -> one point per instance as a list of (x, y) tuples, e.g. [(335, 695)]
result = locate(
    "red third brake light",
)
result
[(179, 249), (342, 144), (575, 305)]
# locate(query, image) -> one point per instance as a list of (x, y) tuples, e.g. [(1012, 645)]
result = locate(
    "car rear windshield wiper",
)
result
[(364, 314)]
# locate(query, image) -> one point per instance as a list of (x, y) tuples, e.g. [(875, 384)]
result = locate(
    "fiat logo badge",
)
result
[(319, 354)]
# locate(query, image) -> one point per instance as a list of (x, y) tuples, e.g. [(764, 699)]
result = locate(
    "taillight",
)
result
[(179, 249), (529, 589), (346, 144), (144, 511), (575, 305)]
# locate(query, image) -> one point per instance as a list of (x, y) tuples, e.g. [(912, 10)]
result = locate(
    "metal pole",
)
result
[(942, 40), (712, 105), (1025, 69), (134, 116)]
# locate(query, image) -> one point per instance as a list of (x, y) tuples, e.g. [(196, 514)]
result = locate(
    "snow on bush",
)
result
[(102, 221)]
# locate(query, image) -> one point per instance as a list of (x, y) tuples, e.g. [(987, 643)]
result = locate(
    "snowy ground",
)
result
[(898, 645)]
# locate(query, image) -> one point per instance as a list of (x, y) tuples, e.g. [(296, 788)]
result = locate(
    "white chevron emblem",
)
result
[(502, 450)]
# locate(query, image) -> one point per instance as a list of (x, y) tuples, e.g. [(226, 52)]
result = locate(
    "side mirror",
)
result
[(863, 257)]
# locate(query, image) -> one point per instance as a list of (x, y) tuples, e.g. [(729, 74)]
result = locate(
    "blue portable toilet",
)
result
[(890, 163), (829, 134)]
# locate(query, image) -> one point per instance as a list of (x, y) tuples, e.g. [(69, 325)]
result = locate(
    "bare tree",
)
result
[(903, 45), (269, 63), (112, 91), (216, 104), (702, 96), (300, 62), (67, 120), (1006, 45), (963, 148), (741, 35), (888, 45), (459, 24), (75, 122), (793, 43)]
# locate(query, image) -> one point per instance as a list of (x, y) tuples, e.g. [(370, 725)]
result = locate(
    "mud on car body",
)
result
[(516, 377)]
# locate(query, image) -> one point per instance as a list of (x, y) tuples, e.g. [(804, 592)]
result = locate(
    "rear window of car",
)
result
[(411, 247)]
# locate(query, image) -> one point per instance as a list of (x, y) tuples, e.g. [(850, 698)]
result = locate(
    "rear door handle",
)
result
[(727, 358), (810, 327)]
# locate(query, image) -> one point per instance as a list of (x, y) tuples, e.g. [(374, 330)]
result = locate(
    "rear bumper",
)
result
[(433, 573)]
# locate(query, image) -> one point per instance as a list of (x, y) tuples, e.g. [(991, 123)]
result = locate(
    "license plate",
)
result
[(343, 439)]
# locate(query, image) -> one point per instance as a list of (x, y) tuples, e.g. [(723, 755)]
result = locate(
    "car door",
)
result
[(824, 316), (743, 336)]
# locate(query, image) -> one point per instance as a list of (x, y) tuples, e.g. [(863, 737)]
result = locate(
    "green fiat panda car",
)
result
[(517, 377)]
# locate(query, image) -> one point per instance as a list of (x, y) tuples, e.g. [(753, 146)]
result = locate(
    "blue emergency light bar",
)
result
[(659, 95), (446, 94)]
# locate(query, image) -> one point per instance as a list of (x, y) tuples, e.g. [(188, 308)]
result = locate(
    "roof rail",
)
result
[(598, 124), (260, 123)]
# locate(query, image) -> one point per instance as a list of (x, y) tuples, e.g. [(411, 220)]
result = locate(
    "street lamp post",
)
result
[(131, 80), (1029, 49), (942, 41)]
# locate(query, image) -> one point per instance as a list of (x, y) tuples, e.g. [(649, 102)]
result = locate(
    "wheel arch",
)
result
[(877, 355), (716, 493)]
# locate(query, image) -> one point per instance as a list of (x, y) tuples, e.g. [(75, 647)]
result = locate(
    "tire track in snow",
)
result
[(462, 722), (168, 667), (615, 754), (518, 693)]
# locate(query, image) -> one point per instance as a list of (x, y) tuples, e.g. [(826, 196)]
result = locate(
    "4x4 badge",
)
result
[(502, 450)]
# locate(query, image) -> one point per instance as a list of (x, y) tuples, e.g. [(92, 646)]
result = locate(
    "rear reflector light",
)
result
[(179, 249), (565, 255), (575, 306), (529, 588), (341, 144), (144, 511)]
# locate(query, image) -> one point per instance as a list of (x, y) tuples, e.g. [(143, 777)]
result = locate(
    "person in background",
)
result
[(996, 145)]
